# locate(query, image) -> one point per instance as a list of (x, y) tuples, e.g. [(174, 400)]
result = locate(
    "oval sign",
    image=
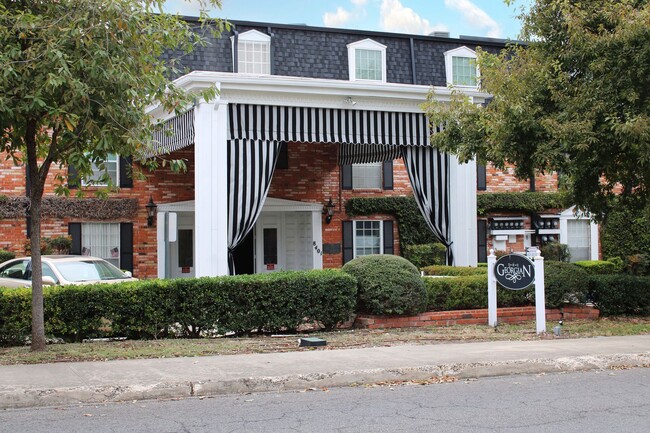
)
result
[(514, 271)]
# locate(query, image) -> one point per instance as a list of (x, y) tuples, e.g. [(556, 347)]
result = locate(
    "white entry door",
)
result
[(269, 243), (182, 253)]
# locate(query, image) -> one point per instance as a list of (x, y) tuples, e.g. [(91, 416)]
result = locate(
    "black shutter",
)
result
[(348, 241), (387, 171), (74, 230), (73, 178), (346, 176), (126, 246), (126, 175), (283, 157), (481, 177), (389, 243), (482, 241)]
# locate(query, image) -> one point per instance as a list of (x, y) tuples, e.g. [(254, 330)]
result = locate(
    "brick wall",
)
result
[(505, 181)]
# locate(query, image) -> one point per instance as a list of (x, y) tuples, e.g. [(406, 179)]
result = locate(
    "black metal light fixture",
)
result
[(328, 211), (151, 211)]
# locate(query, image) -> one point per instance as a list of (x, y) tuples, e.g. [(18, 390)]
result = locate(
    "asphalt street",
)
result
[(594, 401)]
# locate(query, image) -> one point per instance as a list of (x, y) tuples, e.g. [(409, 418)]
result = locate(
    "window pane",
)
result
[(463, 71), (368, 65), (253, 57), (110, 167), (366, 176), (367, 238), (579, 239), (101, 240)]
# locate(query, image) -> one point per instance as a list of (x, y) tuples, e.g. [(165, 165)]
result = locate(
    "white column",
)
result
[(161, 242), (210, 189), (317, 230), (540, 299), (463, 212), (492, 290), (593, 241)]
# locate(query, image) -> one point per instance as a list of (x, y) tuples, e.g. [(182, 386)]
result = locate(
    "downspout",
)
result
[(413, 78), (271, 50), (235, 50)]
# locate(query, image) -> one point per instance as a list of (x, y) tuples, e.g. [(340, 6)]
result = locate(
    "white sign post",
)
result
[(510, 272)]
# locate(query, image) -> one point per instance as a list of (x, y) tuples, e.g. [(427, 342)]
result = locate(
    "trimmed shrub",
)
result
[(15, 315), (526, 202), (469, 292), (598, 267), (425, 254), (564, 282), (620, 294), (625, 232), (638, 264), (6, 255), (456, 271), (387, 285)]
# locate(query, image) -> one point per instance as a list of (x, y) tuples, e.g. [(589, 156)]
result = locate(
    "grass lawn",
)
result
[(342, 339)]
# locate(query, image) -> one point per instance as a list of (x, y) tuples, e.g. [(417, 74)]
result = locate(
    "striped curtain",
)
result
[(428, 170), (250, 169)]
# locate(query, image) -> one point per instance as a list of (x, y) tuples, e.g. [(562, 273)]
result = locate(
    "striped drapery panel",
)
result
[(428, 171), (172, 134), (327, 125), (250, 169)]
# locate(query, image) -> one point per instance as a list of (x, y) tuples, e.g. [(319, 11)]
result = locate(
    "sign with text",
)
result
[(514, 271)]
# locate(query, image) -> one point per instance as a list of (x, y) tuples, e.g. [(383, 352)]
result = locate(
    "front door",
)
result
[(182, 253), (269, 233)]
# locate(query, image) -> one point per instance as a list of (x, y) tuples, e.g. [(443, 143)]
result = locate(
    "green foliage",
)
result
[(425, 254), (625, 232), (555, 252), (598, 267), (460, 271), (387, 285), (638, 264), (564, 282), (413, 230), (184, 307), (572, 100), (527, 202), (620, 294), (6, 255), (469, 292)]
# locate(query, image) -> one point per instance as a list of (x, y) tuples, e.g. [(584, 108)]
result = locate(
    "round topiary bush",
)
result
[(387, 285)]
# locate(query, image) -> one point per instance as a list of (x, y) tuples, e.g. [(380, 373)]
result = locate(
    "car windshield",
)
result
[(89, 270)]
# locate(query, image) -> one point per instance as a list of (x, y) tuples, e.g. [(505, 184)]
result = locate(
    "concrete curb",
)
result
[(22, 398)]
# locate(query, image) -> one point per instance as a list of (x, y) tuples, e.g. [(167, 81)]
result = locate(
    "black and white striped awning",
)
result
[(327, 125), (173, 134), (367, 153)]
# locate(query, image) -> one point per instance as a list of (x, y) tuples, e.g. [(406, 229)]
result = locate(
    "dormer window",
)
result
[(367, 61), (461, 67), (253, 52)]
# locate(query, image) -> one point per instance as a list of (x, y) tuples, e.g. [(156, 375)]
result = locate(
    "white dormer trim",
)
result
[(366, 44), (458, 52), (250, 36)]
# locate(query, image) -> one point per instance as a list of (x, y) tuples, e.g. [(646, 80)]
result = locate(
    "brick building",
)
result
[(305, 119)]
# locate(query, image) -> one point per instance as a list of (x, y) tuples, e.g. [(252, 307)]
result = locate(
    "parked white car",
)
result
[(61, 271)]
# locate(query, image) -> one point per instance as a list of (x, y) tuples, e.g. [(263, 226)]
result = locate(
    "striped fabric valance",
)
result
[(367, 153), (327, 125), (173, 134)]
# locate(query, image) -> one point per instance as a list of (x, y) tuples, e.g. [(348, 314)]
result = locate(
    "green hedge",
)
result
[(620, 294), (527, 202), (6, 255), (598, 267), (469, 292), (456, 271), (184, 307), (425, 254), (625, 233)]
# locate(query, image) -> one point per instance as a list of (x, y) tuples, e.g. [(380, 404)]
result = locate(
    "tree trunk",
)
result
[(38, 314)]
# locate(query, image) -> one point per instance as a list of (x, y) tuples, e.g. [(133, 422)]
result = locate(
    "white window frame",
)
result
[(252, 36), (449, 60), (572, 214), (97, 173), (369, 165), (354, 236), (370, 45)]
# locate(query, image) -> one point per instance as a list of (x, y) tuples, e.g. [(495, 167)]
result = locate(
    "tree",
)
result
[(77, 76), (573, 98)]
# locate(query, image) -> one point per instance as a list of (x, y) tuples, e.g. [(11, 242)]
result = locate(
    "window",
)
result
[(109, 168), (578, 239), (367, 61), (253, 52), (461, 68), (367, 238), (101, 240), (367, 176)]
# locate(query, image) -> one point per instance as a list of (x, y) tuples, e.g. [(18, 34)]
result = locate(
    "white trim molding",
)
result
[(370, 45), (253, 36), (459, 52)]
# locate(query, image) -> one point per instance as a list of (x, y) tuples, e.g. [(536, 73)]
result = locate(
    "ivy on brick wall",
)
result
[(413, 229), (67, 207), (527, 202)]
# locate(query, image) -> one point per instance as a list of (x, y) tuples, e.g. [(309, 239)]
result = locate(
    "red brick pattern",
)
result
[(474, 317), (505, 181)]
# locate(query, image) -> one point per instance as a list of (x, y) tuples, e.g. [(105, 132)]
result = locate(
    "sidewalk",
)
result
[(95, 382)]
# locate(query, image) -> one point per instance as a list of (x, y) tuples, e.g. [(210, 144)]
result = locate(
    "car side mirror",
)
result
[(48, 281), (128, 274)]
